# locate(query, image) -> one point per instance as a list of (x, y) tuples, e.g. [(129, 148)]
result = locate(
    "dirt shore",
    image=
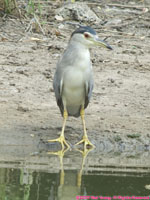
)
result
[(118, 116)]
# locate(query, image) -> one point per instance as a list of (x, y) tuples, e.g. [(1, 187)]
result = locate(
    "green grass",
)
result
[(8, 6), (33, 7)]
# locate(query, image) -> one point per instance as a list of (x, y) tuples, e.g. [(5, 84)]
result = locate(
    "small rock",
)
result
[(59, 18), (20, 70), (12, 84), (61, 26), (125, 62), (79, 12), (22, 108), (47, 74), (112, 80)]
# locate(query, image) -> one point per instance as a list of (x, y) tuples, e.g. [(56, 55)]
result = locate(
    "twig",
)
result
[(29, 27), (124, 24), (124, 34), (34, 20), (128, 6), (121, 5)]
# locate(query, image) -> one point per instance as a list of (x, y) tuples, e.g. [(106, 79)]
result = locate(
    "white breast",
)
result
[(73, 87), (75, 78)]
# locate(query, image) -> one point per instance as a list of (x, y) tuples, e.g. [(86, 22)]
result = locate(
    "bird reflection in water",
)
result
[(70, 180)]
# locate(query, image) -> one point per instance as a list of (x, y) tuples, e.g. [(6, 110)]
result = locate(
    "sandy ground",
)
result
[(118, 116)]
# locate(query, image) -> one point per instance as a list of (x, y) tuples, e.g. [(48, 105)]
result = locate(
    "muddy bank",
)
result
[(118, 117)]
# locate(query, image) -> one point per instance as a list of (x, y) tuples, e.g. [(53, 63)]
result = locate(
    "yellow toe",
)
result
[(62, 141), (86, 142)]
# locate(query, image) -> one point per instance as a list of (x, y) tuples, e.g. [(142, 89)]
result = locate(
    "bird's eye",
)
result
[(86, 35)]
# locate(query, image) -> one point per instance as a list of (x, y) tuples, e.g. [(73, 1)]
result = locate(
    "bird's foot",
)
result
[(62, 141), (86, 143)]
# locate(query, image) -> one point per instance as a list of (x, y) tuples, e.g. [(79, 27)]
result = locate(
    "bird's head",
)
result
[(88, 37)]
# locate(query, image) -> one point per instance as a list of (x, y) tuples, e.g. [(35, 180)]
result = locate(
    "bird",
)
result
[(73, 79)]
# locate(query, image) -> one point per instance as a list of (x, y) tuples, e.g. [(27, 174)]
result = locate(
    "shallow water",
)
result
[(28, 184), (65, 176)]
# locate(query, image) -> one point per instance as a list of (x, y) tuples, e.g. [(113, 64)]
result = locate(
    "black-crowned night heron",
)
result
[(73, 80)]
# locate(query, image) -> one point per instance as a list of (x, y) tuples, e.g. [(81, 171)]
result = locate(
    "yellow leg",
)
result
[(61, 139), (85, 139)]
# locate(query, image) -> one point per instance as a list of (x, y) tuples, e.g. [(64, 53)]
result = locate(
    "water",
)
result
[(63, 177), (25, 184)]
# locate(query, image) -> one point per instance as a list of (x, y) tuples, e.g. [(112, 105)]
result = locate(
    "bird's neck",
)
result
[(81, 52)]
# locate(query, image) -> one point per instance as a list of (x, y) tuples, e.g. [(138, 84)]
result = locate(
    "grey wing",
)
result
[(88, 88), (57, 85), (62, 64)]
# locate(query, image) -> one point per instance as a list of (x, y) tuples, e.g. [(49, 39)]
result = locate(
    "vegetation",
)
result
[(9, 6)]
